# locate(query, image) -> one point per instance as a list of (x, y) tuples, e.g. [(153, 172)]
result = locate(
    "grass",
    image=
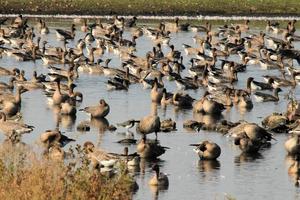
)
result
[(153, 7), (23, 175)]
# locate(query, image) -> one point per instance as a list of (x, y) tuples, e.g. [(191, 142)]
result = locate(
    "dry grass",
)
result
[(153, 7), (24, 175)]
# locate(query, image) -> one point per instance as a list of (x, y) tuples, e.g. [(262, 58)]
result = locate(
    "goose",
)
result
[(9, 97), (175, 26), (149, 124), (292, 145), (243, 27), (58, 97), (44, 29), (201, 28), (9, 85), (207, 150), (244, 102), (192, 125), (255, 85), (98, 156), (208, 106), (54, 137), (189, 50), (271, 26), (56, 153), (173, 54), (262, 97), (99, 111), (117, 83), (131, 22), (9, 127), (187, 84), (159, 179), (251, 131), (66, 35), (247, 145), (149, 149), (156, 93), (68, 107), (167, 98), (184, 101), (279, 82), (8, 72)]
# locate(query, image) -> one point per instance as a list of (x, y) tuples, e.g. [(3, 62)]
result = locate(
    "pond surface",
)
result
[(235, 175)]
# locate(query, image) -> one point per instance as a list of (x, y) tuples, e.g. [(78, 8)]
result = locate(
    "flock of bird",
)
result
[(211, 69)]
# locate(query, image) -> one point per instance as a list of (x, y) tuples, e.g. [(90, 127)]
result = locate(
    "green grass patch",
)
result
[(154, 7)]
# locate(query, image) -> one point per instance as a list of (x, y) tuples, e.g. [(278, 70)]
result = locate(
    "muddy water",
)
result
[(262, 176)]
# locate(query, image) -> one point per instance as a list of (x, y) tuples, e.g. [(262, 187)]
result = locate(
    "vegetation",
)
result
[(154, 7), (25, 176)]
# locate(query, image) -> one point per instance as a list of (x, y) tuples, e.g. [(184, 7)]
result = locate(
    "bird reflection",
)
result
[(67, 121), (247, 157), (208, 120), (155, 190), (208, 165), (100, 123), (294, 169)]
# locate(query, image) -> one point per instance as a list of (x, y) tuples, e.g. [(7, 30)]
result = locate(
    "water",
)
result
[(235, 175)]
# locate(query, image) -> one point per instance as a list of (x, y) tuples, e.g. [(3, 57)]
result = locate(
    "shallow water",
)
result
[(264, 176)]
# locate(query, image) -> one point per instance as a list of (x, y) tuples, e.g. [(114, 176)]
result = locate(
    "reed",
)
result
[(25, 175)]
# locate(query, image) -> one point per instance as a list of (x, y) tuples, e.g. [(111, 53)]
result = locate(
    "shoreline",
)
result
[(155, 17)]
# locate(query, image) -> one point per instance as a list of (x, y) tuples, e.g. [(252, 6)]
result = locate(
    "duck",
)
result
[(159, 179), (207, 150), (263, 97), (10, 127), (66, 35), (99, 111), (149, 149)]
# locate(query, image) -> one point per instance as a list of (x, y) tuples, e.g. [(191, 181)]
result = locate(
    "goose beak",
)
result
[(194, 145)]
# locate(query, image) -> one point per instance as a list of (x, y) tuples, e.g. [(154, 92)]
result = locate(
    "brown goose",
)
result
[(149, 149), (10, 127), (99, 111), (207, 150)]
